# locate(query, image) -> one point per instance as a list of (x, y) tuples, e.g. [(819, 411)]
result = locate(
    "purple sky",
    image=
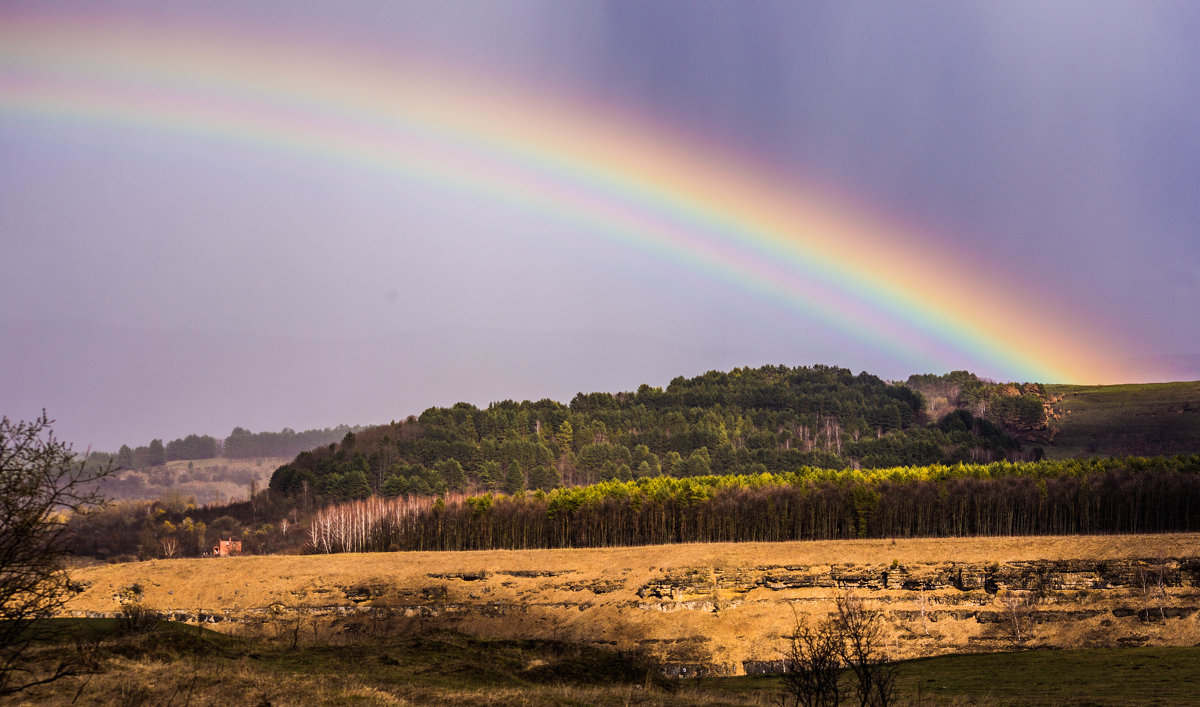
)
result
[(158, 285)]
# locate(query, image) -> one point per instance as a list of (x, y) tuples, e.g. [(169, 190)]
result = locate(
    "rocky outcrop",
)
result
[(1039, 576), (702, 608)]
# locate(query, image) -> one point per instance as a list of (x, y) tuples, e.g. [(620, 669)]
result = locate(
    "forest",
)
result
[(746, 421), (1131, 495), (1095, 496)]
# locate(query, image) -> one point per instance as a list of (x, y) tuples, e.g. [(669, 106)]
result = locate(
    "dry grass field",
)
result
[(721, 608)]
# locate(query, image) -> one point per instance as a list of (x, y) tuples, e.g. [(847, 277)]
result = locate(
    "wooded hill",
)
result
[(240, 444), (746, 421), (753, 454)]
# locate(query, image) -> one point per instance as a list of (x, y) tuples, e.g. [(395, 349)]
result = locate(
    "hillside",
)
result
[(745, 421), (214, 480), (718, 606), (1117, 420)]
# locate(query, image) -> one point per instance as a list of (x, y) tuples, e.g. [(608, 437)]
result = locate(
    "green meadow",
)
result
[(171, 663), (1123, 420)]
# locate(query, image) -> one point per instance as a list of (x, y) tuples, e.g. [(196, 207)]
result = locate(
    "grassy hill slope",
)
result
[(1116, 420)]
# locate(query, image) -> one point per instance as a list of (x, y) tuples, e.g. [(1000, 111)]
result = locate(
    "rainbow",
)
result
[(605, 173)]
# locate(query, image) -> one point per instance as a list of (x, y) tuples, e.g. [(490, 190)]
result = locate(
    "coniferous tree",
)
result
[(514, 480), (452, 474), (158, 454)]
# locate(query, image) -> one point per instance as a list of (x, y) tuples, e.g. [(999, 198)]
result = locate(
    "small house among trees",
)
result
[(225, 548)]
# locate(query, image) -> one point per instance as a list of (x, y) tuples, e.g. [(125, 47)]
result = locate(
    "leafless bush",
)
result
[(812, 666), (853, 638), (864, 635), (135, 618), (41, 484), (1152, 585)]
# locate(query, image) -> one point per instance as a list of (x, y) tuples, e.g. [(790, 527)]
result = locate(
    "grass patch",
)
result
[(1095, 676), (1117, 676), (179, 663)]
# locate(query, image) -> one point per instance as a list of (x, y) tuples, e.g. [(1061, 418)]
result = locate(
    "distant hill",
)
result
[(745, 421), (216, 480), (1117, 420), (203, 467)]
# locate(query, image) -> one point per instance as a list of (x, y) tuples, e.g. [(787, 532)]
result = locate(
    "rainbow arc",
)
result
[(599, 171)]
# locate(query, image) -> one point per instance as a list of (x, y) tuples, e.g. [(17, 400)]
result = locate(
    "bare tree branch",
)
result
[(42, 482)]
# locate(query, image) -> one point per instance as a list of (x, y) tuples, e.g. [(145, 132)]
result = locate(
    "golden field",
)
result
[(720, 607)]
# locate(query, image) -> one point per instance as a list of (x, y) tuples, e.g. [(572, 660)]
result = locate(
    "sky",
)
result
[(282, 214)]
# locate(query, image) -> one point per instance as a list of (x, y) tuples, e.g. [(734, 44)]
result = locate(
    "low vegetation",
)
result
[(175, 663)]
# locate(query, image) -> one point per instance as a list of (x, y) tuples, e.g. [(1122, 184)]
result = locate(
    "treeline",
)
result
[(1131, 495), (240, 444), (747, 421), (175, 526)]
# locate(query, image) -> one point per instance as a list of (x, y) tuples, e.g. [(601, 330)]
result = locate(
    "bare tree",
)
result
[(1152, 581), (854, 638), (812, 666), (923, 604), (41, 483), (863, 638), (1019, 616)]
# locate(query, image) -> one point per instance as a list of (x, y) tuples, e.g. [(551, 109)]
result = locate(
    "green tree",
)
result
[(452, 474), (355, 484), (697, 463), (489, 475), (125, 457), (544, 478), (514, 480), (565, 435), (672, 464), (158, 453)]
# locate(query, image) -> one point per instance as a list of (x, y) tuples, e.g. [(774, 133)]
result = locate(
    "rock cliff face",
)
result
[(951, 606), (705, 608)]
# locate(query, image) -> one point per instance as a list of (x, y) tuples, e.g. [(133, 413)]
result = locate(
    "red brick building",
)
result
[(225, 548)]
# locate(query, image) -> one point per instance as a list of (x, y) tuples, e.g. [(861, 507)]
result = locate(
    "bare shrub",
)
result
[(134, 617), (854, 638), (41, 484), (812, 666), (863, 635), (1152, 585)]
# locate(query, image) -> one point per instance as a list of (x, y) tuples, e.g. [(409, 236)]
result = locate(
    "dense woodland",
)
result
[(1132, 495), (747, 421)]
